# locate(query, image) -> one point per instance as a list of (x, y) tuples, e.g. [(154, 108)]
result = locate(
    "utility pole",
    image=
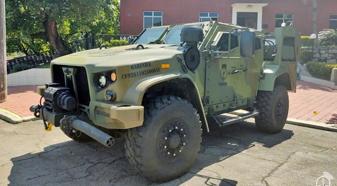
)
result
[(314, 25), (3, 62)]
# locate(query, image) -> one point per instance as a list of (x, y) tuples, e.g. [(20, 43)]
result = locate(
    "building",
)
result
[(260, 14)]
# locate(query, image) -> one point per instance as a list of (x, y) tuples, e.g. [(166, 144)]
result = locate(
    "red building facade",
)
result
[(260, 14)]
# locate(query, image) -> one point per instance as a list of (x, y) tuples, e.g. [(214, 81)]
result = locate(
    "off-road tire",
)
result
[(166, 117), (75, 134), (273, 110)]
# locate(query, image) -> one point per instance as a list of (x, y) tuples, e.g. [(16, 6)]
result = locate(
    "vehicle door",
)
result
[(219, 96), (244, 71)]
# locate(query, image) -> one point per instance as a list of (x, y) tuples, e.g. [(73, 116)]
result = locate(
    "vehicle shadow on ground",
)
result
[(71, 163)]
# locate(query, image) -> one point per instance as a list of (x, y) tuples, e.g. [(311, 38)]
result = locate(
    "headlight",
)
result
[(102, 81)]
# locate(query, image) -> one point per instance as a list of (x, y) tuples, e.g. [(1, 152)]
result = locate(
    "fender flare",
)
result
[(269, 81), (135, 93)]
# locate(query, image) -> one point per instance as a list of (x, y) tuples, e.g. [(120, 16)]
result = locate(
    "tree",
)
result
[(42, 25)]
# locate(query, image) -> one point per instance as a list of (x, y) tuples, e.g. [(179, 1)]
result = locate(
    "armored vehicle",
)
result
[(174, 82)]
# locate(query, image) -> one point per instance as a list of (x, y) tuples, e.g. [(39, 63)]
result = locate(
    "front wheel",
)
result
[(167, 145), (273, 110)]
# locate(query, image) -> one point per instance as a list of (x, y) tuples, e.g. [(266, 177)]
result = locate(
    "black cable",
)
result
[(40, 109)]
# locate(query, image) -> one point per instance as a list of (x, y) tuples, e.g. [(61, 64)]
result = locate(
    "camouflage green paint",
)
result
[(224, 81)]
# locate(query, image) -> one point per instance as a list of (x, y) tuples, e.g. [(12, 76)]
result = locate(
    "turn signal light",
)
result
[(165, 66), (113, 76)]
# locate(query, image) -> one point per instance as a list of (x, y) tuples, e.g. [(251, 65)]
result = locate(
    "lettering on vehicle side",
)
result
[(140, 65), (140, 73)]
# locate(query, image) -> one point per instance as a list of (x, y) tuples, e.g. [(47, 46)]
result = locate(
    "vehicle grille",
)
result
[(81, 81)]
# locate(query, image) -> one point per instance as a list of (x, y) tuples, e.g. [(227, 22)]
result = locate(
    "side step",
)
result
[(225, 120)]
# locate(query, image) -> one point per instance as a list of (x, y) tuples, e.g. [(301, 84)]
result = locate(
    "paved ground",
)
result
[(311, 102), (234, 155), (20, 99), (314, 103)]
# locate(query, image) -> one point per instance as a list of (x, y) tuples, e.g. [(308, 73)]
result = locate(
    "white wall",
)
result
[(246, 7), (35, 76)]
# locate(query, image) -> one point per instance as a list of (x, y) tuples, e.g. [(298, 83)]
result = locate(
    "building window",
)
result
[(152, 18), (333, 21), (208, 16), (283, 18)]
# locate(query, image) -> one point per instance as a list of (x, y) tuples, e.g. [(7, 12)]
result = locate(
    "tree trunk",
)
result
[(3, 62), (54, 38)]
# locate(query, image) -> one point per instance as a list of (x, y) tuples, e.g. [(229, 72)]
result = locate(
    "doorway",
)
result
[(247, 19)]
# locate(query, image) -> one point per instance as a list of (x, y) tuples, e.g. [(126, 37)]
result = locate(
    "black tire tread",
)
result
[(134, 136), (264, 121)]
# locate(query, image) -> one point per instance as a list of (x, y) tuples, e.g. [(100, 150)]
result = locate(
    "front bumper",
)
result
[(109, 116), (116, 116)]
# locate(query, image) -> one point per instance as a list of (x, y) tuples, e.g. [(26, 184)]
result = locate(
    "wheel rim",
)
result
[(173, 139)]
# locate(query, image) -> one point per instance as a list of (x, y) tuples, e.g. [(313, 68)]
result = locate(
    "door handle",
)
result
[(236, 71)]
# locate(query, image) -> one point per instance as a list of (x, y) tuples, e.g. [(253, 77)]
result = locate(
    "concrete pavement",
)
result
[(236, 155)]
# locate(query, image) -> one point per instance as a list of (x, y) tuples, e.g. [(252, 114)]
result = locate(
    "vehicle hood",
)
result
[(119, 56)]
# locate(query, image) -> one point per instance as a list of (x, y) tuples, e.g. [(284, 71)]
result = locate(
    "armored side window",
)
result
[(234, 41), (257, 44), (288, 49), (223, 42)]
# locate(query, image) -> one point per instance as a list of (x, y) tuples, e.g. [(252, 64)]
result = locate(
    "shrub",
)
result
[(306, 56), (114, 43), (306, 41), (329, 38), (321, 70)]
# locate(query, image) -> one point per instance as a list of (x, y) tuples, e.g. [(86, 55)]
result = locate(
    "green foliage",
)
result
[(320, 70), (26, 22), (329, 38), (306, 56), (114, 43), (307, 42)]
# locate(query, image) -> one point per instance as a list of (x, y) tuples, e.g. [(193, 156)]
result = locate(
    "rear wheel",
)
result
[(273, 110), (167, 145)]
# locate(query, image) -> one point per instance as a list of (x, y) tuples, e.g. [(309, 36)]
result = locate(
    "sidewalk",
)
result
[(20, 99), (311, 102)]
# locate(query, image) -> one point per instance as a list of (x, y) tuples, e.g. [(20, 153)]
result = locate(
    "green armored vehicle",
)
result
[(173, 82)]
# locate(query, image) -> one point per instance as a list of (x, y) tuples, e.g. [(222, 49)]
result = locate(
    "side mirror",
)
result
[(247, 43), (191, 35)]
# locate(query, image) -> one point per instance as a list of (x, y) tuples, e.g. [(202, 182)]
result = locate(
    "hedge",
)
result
[(321, 70)]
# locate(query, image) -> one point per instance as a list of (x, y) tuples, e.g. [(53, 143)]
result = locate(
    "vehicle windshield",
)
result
[(173, 36), (150, 35)]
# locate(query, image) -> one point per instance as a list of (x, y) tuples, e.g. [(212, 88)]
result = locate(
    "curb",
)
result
[(313, 124), (319, 82), (13, 118)]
